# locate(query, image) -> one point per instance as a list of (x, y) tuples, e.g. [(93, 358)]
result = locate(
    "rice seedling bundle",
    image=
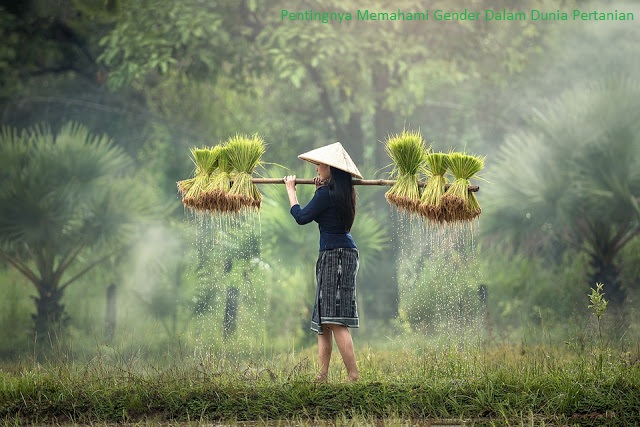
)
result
[(201, 160), (192, 189), (408, 153), (430, 202), (458, 203), (218, 186), (244, 154)]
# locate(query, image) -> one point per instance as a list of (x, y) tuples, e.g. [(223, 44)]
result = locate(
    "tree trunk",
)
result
[(110, 315), (383, 119), (606, 272), (385, 282), (50, 318), (230, 312), (231, 304), (351, 137)]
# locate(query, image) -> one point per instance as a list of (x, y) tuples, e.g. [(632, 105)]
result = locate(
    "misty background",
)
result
[(100, 102)]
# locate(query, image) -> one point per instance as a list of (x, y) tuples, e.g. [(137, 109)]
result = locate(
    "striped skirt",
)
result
[(335, 302)]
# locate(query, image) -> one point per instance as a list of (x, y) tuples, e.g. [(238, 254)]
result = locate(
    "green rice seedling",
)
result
[(408, 153), (213, 195), (430, 207), (185, 185), (193, 190), (458, 203), (205, 159), (244, 154), (218, 187), (192, 196)]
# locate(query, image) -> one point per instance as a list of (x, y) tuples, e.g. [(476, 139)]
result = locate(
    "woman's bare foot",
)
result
[(353, 377), (322, 378)]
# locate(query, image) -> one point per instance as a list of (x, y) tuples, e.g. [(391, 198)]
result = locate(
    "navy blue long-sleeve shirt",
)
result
[(323, 211)]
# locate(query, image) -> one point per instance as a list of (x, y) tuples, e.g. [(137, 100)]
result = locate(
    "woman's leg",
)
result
[(345, 345), (325, 343)]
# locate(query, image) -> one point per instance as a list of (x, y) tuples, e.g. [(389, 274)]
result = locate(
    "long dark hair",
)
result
[(343, 195)]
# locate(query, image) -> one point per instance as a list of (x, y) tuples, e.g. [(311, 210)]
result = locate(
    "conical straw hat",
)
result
[(333, 155)]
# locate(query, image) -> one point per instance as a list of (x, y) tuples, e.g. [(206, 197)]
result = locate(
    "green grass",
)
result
[(478, 387)]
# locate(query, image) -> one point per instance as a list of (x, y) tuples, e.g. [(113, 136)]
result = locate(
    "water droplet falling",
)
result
[(231, 293)]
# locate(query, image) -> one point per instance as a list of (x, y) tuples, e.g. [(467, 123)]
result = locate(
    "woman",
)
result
[(333, 207)]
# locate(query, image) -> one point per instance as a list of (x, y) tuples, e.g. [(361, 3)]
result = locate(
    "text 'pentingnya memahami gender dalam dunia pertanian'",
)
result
[(497, 15)]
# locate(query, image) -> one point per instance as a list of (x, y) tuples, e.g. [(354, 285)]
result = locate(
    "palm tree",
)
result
[(66, 206), (572, 178)]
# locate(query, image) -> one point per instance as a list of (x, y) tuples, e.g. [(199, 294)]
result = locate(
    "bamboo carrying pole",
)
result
[(387, 182)]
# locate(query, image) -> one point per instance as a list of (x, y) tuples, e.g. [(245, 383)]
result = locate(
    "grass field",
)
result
[(497, 386)]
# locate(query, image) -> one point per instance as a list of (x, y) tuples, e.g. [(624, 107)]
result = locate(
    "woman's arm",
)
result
[(316, 206), (290, 183)]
